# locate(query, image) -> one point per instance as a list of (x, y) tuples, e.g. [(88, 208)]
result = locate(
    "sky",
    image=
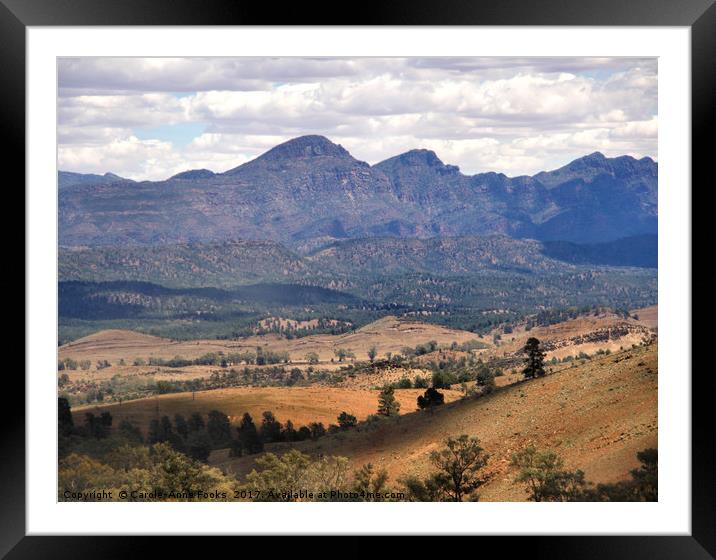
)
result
[(149, 118)]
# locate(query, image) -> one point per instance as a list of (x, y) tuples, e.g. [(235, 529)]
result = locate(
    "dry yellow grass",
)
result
[(648, 316), (301, 405), (387, 335), (596, 416)]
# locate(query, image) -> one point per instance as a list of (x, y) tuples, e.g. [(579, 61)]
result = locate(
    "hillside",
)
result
[(437, 255), (596, 415), (68, 179), (586, 333), (183, 265), (640, 250), (387, 335), (309, 192), (301, 405), (336, 265)]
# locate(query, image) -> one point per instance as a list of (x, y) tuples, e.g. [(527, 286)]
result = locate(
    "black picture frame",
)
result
[(699, 15)]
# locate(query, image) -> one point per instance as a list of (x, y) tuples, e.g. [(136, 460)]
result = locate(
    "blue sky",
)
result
[(179, 134), (148, 118)]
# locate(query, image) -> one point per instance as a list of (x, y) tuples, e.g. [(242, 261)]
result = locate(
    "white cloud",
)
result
[(511, 115)]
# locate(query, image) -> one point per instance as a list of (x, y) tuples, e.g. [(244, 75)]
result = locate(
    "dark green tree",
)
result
[(289, 432), (98, 427), (485, 378), (430, 399), (248, 436), (270, 428), (130, 432), (154, 432), (370, 485), (534, 362), (387, 403), (64, 417), (196, 422), (317, 430), (646, 477), (417, 490), (420, 382), (235, 448), (372, 353), (545, 478), (346, 421), (458, 467), (165, 428), (219, 428), (181, 425), (198, 445)]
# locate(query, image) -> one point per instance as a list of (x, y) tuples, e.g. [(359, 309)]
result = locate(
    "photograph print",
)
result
[(357, 279)]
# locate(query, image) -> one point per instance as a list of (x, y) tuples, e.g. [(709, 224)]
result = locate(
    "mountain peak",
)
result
[(306, 146), (421, 157), (595, 156), (193, 175), (595, 159)]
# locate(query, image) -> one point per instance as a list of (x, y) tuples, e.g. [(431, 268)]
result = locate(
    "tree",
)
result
[(293, 476), (236, 449), (249, 436), (198, 445), (317, 430), (165, 427), (417, 490), (312, 358), (443, 379), (372, 353), (458, 467), (105, 421), (485, 378), (181, 425), (341, 354), (387, 404), (545, 479), (98, 427), (534, 363), (196, 422), (430, 399), (65, 423), (295, 376), (370, 485), (646, 477), (219, 428), (289, 432), (270, 428), (405, 383), (160, 430), (420, 382), (154, 432), (130, 432), (346, 421)]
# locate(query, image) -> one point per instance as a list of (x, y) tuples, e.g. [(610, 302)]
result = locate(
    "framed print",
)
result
[(426, 271)]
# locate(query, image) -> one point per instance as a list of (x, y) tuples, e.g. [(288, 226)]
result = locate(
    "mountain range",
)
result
[(310, 193)]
